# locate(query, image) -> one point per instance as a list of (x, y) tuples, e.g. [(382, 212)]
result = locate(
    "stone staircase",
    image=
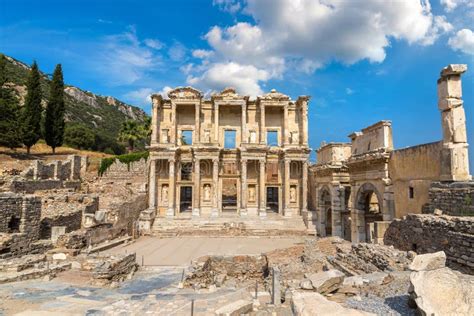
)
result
[(229, 225)]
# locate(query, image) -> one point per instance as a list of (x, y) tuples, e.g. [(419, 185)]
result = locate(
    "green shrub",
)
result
[(105, 163), (79, 136)]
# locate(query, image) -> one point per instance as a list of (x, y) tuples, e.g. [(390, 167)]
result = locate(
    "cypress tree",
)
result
[(54, 120), (31, 114), (9, 110)]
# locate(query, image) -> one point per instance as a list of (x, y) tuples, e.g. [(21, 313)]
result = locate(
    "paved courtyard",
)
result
[(179, 251)]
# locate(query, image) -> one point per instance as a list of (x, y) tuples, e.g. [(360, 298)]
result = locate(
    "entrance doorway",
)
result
[(272, 199), (229, 195), (329, 222), (186, 199)]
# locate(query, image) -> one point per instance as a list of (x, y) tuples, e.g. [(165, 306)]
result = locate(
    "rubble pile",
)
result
[(110, 269)]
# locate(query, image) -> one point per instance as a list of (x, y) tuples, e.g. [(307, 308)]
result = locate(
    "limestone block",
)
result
[(454, 125), (327, 281), (449, 87), (454, 69), (455, 163), (447, 104), (429, 261)]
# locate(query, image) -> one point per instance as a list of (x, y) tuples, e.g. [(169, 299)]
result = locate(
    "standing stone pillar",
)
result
[(304, 117), (244, 138), (286, 185), (286, 133), (216, 123), (262, 124), (197, 124), (171, 189), (337, 207), (197, 187), (57, 170), (304, 189), (154, 121), (263, 204), (243, 191), (152, 186), (215, 188), (454, 155), (174, 125)]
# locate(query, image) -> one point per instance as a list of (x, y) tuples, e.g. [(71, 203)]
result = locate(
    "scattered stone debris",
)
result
[(110, 269)]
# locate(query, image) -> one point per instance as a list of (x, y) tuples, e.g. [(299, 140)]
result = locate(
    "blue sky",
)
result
[(360, 61)]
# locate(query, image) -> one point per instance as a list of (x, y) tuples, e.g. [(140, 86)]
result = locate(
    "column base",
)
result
[(196, 212), (214, 212), (288, 212), (262, 213), (243, 212), (170, 213)]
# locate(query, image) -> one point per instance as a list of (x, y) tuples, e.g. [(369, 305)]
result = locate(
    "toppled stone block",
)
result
[(327, 281), (430, 261), (314, 304)]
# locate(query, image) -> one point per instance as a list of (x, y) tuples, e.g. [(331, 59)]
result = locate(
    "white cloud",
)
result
[(451, 5), (164, 91), (304, 35), (202, 53), (463, 41), (349, 91), (140, 96), (153, 43), (231, 6), (177, 52)]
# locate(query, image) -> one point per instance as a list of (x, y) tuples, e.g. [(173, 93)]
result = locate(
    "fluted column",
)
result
[(262, 124), (243, 191), (304, 115), (216, 123), (263, 204), (215, 188), (197, 187), (244, 124), (152, 186), (285, 125), (304, 183), (174, 126), (171, 189), (197, 124), (287, 211), (154, 123)]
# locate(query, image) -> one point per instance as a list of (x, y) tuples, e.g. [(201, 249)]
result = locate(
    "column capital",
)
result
[(171, 160)]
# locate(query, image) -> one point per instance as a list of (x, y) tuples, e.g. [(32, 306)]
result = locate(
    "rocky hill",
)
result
[(102, 114)]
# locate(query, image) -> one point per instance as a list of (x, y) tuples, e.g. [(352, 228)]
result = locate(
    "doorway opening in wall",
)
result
[(14, 225), (372, 214), (328, 222), (229, 139), (186, 199), (272, 199), (229, 195)]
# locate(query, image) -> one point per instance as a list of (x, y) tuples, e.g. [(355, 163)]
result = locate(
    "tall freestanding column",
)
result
[(197, 187), (287, 210), (243, 191), (304, 184), (454, 156), (171, 189), (152, 186), (244, 138), (263, 205), (215, 188), (286, 133)]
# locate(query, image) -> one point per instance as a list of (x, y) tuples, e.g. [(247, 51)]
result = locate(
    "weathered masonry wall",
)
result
[(133, 171), (456, 199), (429, 233), (412, 170)]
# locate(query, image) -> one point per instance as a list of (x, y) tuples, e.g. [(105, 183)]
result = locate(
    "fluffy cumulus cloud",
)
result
[(139, 96), (231, 6), (304, 35), (463, 41), (451, 5)]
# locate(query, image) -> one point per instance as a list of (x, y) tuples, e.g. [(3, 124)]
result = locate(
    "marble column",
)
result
[(152, 186), (263, 204), (197, 124), (262, 124), (197, 187), (244, 138), (216, 123), (215, 188), (174, 125), (171, 189), (304, 184), (154, 122), (287, 210), (304, 115), (286, 133), (243, 191)]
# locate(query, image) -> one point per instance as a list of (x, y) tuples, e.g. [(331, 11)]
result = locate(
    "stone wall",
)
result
[(31, 186), (131, 172), (455, 198), (429, 233)]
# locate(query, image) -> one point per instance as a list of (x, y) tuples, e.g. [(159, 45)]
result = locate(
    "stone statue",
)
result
[(207, 192), (253, 137), (292, 194), (252, 193), (207, 136), (164, 194)]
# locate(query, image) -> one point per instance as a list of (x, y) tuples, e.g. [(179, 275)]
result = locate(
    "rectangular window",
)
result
[(411, 192), (186, 137), (272, 138), (229, 139)]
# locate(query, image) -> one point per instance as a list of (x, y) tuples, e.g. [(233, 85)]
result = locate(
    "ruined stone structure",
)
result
[(375, 183), (227, 155)]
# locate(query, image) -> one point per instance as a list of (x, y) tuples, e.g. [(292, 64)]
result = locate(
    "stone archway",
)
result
[(369, 208), (325, 206)]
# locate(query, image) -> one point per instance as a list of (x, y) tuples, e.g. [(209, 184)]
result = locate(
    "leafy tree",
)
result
[(79, 136), (130, 133), (54, 119), (31, 114), (9, 111)]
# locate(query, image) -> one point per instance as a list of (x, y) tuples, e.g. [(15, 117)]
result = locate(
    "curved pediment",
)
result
[(185, 93)]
